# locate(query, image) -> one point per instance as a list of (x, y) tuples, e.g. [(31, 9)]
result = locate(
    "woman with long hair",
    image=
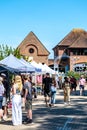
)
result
[(17, 101), (67, 88)]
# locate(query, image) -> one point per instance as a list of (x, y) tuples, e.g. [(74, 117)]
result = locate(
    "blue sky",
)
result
[(50, 20)]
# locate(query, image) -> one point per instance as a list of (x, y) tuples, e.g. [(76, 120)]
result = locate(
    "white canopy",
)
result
[(13, 62), (49, 70), (46, 69), (32, 64)]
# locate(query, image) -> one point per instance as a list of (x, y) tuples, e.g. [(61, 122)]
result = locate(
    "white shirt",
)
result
[(1, 89)]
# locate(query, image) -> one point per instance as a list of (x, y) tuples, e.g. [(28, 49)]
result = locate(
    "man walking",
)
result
[(82, 82), (47, 84)]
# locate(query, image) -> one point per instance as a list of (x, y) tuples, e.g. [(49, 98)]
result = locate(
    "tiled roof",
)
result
[(71, 37), (81, 42)]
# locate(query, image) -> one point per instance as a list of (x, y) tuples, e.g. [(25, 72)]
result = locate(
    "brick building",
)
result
[(71, 52), (32, 48), (51, 63)]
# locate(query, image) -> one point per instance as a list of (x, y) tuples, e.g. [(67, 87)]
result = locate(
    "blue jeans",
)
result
[(1, 99), (81, 90), (53, 95)]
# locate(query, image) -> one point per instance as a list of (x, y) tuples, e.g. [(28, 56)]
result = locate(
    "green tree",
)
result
[(74, 74), (16, 53), (5, 51)]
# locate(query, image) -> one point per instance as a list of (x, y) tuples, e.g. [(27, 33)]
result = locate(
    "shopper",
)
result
[(53, 93), (28, 99), (47, 88), (1, 97), (17, 101), (82, 82), (5, 95), (67, 88)]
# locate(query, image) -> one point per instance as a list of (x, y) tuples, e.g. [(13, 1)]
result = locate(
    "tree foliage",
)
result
[(5, 51), (74, 74)]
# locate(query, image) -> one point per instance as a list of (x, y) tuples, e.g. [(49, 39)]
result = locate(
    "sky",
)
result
[(49, 20)]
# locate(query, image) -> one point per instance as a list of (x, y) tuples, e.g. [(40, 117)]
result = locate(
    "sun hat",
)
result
[(2, 74)]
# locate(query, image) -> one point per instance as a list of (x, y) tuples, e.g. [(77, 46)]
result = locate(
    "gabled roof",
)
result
[(31, 39), (71, 37), (81, 42)]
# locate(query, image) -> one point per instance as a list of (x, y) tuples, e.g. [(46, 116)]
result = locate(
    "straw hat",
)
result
[(82, 76)]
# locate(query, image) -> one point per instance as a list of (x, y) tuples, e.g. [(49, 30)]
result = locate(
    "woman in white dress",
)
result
[(17, 101)]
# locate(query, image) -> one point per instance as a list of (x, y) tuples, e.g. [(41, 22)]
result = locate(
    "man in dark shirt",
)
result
[(47, 84)]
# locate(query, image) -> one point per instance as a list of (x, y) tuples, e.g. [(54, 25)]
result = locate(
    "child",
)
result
[(53, 93)]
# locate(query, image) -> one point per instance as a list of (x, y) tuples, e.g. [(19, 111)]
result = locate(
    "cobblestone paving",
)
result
[(59, 117)]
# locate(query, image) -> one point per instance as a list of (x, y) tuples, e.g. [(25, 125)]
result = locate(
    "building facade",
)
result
[(71, 52), (32, 48)]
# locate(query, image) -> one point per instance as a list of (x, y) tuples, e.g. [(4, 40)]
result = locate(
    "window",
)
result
[(31, 50), (85, 52)]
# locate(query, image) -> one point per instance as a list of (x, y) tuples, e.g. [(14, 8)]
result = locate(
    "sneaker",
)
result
[(4, 117), (50, 105), (25, 120), (2, 120), (65, 103), (29, 121)]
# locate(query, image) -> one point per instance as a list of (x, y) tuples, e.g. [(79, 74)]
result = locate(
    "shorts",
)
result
[(28, 105), (1, 99), (81, 87), (73, 86), (4, 103), (47, 93)]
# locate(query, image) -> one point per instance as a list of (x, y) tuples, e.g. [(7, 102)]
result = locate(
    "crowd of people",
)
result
[(69, 86), (20, 88), (23, 90)]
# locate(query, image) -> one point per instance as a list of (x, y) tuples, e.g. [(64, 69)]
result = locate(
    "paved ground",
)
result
[(60, 117)]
